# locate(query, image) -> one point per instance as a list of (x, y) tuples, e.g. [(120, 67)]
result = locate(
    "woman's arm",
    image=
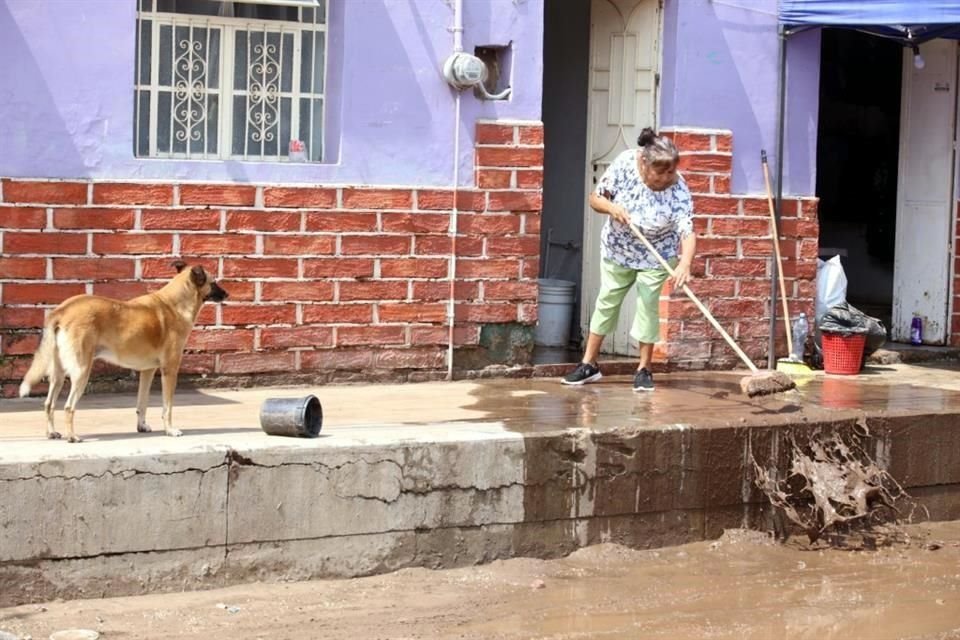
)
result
[(688, 248), (602, 204)]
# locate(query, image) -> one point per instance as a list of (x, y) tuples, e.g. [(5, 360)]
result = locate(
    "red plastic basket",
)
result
[(842, 354)]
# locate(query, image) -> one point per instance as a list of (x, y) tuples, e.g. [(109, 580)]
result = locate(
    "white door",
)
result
[(921, 271), (624, 60)]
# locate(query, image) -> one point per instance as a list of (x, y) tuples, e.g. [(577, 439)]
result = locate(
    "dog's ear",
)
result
[(179, 265), (199, 276)]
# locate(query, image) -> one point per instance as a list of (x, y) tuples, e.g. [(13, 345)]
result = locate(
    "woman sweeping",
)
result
[(642, 187)]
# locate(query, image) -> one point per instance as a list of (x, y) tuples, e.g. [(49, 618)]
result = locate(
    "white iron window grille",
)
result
[(240, 80)]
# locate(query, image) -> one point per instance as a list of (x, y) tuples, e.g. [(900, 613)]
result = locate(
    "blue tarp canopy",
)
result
[(913, 21)]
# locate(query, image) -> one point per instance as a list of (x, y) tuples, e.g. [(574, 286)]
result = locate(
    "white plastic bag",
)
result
[(831, 285)]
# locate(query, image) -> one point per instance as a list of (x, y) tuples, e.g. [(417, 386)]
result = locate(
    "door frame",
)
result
[(591, 242)]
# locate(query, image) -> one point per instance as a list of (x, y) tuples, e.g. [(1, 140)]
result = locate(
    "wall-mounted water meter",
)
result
[(463, 71)]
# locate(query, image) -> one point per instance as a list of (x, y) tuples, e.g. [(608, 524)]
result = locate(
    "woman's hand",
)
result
[(681, 276), (619, 214)]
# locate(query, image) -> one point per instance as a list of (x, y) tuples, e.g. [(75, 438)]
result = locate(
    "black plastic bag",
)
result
[(847, 320)]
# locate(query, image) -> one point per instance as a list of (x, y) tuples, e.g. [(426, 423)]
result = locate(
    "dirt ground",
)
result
[(741, 586)]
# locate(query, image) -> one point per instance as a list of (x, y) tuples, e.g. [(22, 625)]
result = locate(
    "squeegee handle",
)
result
[(703, 309)]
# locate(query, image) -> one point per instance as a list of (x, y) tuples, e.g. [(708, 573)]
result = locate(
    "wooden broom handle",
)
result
[(706, 312), (776, 248)]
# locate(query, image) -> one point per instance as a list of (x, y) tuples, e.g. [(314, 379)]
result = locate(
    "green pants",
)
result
[(615, 281)]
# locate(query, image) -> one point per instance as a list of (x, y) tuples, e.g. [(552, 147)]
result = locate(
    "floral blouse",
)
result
[(664, 217)]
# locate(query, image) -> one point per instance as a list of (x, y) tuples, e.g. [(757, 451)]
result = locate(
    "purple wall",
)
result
[(66, 92), (720, 71)]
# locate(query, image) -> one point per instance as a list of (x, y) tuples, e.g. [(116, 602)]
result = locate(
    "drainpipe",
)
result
[(778, 200), (452, 265)]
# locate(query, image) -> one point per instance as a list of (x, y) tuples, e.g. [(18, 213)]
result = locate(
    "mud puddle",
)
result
[(742, 586)]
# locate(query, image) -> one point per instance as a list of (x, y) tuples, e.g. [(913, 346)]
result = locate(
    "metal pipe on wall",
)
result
[(778, 198), (454, 211)]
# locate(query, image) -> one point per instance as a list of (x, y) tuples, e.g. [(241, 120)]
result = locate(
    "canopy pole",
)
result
[(778, 200)]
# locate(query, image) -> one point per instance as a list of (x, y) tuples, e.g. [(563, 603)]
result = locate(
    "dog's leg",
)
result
[(168, 381), (143, 395), (57, 377), (78, 383)]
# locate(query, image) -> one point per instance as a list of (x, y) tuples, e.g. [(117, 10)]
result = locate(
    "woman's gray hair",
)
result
[(657, 150)]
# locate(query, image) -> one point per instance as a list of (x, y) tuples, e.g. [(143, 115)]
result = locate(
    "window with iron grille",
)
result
[(221, 79)]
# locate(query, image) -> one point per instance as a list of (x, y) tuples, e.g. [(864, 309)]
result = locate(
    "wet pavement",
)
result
[(693, 399), (741, 586)]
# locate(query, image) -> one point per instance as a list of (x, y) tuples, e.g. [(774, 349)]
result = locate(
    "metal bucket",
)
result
[(296, 417)]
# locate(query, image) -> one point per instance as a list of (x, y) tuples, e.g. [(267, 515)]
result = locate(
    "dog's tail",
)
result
[(42, 359)]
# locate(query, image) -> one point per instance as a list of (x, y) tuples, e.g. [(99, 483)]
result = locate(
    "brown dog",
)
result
[(144, 334)]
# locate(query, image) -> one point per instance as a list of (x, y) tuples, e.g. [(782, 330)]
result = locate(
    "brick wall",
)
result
[(328, 280), (734, 261)]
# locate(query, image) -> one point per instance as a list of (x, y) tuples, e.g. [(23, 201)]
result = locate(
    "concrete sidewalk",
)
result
[(430, 474)]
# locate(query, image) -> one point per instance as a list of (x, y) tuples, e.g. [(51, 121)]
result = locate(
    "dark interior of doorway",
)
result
[(858, 146)]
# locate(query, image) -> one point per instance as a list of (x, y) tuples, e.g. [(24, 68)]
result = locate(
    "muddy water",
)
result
[(741, 586)]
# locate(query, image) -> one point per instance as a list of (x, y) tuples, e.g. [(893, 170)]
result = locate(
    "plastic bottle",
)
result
[(800, 330), (916, 330)]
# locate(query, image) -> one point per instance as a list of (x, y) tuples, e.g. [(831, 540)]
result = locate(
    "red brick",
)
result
[(13, 368), (724, 142), (84, 218), (338, 267), (531, 134), (207, 315), (50, 243), (515, 201), (263, 221), (486, 313), (429, 291), (416, 222), (20, 318), (258, 362), (309, 336), (714, 205), (391, 290), (94, 269), (378, 335), (738, 308), (530, 268), (721, 184), (697, 182), (800, 269), (218, 195), (198, 363), (300, 198), (300, 245), (527, 313), (210, 244), (688, 141), (39, 292), (809, 249), (337, 359), (133, 194), (180, 219), (462, 335), (489, 224), (488, 268), (441, 245), (756, 207), (413, 268), (124, 290), (799, 228), (493, 179), (45, 192), (411, 359), (529, 179), (377, 199), (510, 291), (15, 344), (23, 268), (519, 246), (753, 287), (242, 314), (132, 243), (443, 200), (221, 340), (739, 227), (738, 267), (411, 312), (509, 157), (493, 133), (260, 268), (340, 221), (716, 247), (239, 290), (706, 162), (756, 248), (315, 291), (338, 313), (531, 223), (22, 218), (714, 287), (375, 245)]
